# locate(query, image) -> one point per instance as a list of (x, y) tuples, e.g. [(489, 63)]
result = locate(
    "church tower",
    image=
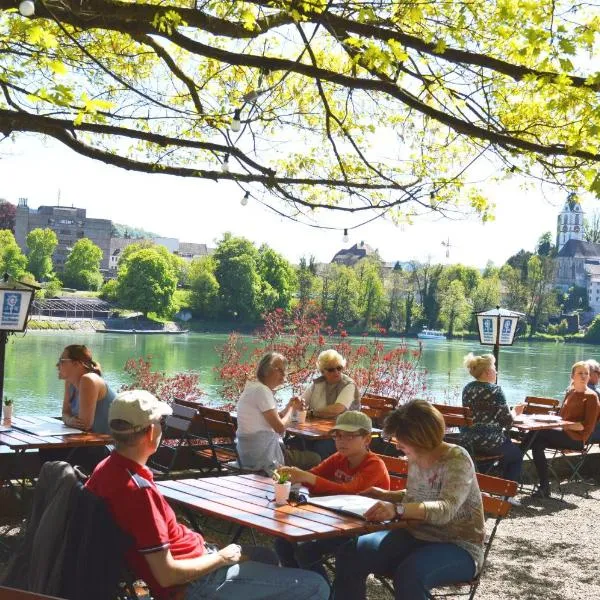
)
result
[(570, 222)]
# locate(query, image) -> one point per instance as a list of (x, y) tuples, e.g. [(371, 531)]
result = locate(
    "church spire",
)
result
[(570, 222)]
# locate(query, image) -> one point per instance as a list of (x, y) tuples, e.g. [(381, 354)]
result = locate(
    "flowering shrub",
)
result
[(179, 385), (301, 336)]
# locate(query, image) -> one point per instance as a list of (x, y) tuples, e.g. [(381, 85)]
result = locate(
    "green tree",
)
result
[(306, 278), (593, 331), (455, 309), (146, 282), (342, 296), (41, 244), (576, 298), (545, 247), (438, 83), (204, 286), (515, 290), (542, 299), (371, 294), (468, 276), (591, 228), (82, 267), (426, 279), (177, 264), (279, 275), (241, 289), (12, 260), (8, 213)]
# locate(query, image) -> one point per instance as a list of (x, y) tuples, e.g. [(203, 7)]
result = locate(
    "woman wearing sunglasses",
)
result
[(333, 392), (351, 470)]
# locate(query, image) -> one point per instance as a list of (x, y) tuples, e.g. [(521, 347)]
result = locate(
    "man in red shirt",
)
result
[(171, 558)]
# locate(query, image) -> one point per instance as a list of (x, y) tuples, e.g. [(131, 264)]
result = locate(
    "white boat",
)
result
[(431, 334)]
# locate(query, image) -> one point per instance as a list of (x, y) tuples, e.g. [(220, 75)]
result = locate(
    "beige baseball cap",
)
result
[(353, 420), (139, 408)]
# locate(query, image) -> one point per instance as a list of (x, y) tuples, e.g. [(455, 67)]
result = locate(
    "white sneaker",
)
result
[(514, 501)]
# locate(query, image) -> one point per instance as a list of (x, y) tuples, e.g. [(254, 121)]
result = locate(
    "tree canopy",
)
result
[(353, 105), (82, 267), (41, 244)]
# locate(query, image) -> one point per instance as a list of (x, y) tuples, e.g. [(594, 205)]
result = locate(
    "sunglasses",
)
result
[(345, 436), (333, 369)]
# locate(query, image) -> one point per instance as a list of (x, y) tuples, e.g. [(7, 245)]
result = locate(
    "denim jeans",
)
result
[(307, 555), (253, 580), (415, 565), (512, 459), (548, 438)]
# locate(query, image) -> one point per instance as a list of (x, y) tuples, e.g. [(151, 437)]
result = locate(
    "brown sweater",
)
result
[(582, 407)]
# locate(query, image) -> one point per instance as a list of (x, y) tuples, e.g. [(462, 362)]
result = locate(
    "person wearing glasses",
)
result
[(351, 470), (172, 559), (329, 395), (87, 396), (261, 424), (442, 542), (333, 391)]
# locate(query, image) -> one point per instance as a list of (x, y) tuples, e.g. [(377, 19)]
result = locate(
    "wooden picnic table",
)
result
[(248, 501), (316, 428), (20, 440)]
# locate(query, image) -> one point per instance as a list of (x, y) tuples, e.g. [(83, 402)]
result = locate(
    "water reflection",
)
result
[(30, 375)]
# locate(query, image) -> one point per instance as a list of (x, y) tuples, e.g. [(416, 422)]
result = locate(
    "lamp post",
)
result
[(497, 327), (15, 303)]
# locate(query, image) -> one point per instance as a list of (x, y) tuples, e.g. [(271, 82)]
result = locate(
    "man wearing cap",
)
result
[(351, 470), (171, 558)]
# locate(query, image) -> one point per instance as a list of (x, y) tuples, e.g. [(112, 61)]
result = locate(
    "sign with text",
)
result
[(14, 306), (487, 329)]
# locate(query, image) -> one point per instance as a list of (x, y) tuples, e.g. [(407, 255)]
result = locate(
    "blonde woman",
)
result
[(329, 395), (333, 391), (491, 416)]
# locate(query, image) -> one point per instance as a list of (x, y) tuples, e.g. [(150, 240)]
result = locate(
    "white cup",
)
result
[(300, 416), (282, 492)]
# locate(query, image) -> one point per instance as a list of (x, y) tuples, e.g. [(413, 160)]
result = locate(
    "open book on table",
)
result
[(345, 503)]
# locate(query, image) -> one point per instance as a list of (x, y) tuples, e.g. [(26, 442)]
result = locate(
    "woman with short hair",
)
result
[(442, 543), (333, 391), (491, 416), (261, 425)]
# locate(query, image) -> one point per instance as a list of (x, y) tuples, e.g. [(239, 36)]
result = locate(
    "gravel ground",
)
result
[(545, 549)]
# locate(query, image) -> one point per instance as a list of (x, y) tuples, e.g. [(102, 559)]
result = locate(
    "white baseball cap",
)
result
[(139, 408)]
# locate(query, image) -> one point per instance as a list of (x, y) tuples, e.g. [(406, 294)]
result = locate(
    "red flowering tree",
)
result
[(180, 385), (301, 336)]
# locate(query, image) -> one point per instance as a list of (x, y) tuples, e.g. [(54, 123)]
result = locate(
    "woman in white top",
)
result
[(261, 425)]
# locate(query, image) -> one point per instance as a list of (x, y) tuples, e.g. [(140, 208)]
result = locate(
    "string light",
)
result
[(225, 164), (345, 238), (245, 199), (27, 8), (236, 124)]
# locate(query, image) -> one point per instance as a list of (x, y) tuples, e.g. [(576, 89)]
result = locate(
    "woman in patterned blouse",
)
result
[(491, 416)]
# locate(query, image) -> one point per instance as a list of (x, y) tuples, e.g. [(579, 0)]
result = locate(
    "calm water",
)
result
[(30, 373)]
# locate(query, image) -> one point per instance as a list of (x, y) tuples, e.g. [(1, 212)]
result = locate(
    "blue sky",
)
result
[(200, 211)]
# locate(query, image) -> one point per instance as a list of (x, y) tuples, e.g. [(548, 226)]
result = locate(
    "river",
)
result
[(30, 375)]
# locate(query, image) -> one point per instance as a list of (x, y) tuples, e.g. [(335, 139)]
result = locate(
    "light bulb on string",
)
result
[(225, 164), (236, 124), (345, 238), (245, 199), (27, 8)]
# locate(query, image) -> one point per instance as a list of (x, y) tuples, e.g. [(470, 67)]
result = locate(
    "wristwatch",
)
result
[(399, 511)]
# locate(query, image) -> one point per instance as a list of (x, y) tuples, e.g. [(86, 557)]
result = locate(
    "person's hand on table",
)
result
[(73, 421), (375, 492), (231, 554), (297, 475), (382, 511)]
